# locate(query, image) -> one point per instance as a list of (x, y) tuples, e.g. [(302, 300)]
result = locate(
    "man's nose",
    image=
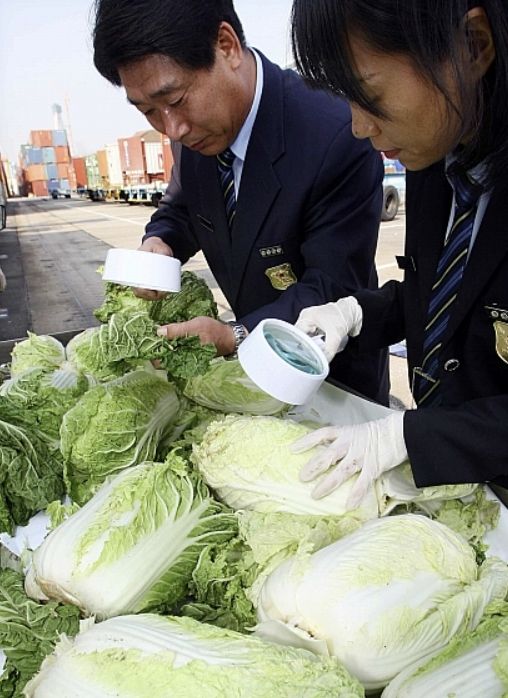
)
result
[(175, 127), (363, 124)]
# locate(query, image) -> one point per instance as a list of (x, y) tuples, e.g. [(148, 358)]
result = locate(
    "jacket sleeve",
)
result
[(454, 445), (171, 220), (383, 316), (340, 221)]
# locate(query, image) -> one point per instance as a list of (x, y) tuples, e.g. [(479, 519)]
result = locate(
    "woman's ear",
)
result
[(480, 41)]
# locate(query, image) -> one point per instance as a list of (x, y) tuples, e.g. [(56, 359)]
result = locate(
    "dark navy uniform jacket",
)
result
[(307, 216), (466, 438)]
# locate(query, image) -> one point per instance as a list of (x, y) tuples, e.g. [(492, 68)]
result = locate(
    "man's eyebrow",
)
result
[(163, 91)]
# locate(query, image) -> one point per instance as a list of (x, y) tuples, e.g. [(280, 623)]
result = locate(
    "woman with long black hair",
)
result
[(427, 81)]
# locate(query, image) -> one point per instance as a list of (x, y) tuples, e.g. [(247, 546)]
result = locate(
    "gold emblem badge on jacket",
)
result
[(282, 276), (501, 329)]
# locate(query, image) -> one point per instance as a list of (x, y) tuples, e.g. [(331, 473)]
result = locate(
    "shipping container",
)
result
[(36, 172), (80, 172), (102, 162), (33, 156), (62, 154), (167, 155), (132, 159), (48, 155), (39, 188), (59, 137), (154, 158), (41, 138), (63, 171), (114, 165), (52, 171)]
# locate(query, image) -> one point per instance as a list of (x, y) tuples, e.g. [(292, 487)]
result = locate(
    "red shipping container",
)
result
[(131, 154), (40, 188), (41, 139), (62, 154), (80, 170)]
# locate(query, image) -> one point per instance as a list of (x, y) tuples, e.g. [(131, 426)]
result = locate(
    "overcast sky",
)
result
[(46, 58)]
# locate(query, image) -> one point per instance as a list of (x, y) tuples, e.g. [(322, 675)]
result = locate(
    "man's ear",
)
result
[(480, 41), (229, 44)]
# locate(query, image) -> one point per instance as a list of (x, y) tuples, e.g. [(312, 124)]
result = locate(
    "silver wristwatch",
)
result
[(239, 332)]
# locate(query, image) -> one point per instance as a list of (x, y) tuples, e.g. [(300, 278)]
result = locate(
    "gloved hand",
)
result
[(337, 321), (372, 448)]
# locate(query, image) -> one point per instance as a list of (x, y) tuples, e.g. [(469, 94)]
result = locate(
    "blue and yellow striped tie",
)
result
[(450, 270), (225, 166)]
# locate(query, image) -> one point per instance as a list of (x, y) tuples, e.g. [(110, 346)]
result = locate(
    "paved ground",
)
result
[(62, 243)]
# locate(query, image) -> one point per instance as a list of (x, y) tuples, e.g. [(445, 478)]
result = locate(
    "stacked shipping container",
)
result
[(46, 163)]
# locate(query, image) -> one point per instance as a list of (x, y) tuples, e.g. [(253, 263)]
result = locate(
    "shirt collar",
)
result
[(477, 174), (241, 143)]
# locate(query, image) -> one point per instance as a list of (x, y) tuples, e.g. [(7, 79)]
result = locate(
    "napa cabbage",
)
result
[(470, 666), (248, 462), (38, 351), (226, 387), (134, 545), (113, 426), (38, 399), (145, 656), (382, 598)]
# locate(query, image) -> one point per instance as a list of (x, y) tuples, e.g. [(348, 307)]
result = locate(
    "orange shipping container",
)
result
[(36, 172), (62, 153), (40, 188), (63, 171), (41, 139), (102, 161)]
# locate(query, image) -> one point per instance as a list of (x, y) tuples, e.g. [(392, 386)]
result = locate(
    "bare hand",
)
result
[(208, 330), (157, 246)]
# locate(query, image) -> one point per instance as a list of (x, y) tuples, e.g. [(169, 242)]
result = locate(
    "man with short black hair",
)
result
[(268, 181)]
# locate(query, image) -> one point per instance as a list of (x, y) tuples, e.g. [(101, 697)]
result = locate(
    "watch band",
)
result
[(239, 332)]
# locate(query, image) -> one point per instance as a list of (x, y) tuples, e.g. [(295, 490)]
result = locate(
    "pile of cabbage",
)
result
[(185, 556)]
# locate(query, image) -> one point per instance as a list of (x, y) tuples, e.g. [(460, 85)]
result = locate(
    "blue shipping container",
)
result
[(34, 156), (59, 137), (48, 155), (52, 171)]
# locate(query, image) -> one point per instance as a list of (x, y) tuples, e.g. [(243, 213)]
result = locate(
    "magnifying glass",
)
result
[(283, 361)]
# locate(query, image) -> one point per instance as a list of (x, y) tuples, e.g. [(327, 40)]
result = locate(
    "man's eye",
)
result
[(177, 103)]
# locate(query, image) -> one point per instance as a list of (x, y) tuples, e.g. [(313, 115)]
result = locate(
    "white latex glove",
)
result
[(372, 448), (337, 321)]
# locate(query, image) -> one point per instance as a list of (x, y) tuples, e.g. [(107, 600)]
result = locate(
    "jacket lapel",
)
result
[(259, 185), (429, 188), (489, 251)]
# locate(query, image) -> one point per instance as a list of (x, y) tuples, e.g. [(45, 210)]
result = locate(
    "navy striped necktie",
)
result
[(450, 270), (225, 162)]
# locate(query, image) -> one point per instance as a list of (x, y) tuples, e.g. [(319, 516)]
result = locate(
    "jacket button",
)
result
[(451, 365)]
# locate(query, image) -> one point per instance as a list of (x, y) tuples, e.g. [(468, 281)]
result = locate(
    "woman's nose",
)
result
[(363, 124)]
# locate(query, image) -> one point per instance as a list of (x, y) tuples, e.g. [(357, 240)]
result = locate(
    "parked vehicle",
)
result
[(394, 189)]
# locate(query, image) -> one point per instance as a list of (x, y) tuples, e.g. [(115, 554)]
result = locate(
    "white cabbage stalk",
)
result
[(381, 598), (133, 546), (150, 656), (249, 463), (472, 666)]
